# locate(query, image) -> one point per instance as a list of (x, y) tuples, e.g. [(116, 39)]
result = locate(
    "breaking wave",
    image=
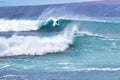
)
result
[(39, 45), (34, 45)]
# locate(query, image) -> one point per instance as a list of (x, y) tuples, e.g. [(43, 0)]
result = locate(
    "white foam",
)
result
[(5, 66), (99, 69), (18, 25), (87, 33), (33, 45), (45, 22), (66, 68)]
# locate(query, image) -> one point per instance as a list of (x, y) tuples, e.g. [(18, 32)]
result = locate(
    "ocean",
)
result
[(53, 46)]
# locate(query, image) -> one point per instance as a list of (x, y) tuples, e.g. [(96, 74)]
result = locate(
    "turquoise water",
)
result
[(67, 50)]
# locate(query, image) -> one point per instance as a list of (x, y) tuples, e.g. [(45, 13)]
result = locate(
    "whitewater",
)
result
[(34, 45), (78, 41)]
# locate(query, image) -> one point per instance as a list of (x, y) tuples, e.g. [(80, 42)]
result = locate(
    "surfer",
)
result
[(56, 23)]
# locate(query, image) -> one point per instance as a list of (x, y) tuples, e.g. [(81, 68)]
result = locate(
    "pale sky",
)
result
[(36, 2)]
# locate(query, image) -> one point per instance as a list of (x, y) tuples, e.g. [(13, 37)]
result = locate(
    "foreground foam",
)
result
[(33, 45)]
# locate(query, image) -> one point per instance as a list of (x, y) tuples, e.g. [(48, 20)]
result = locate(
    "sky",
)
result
[(36, 2)]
